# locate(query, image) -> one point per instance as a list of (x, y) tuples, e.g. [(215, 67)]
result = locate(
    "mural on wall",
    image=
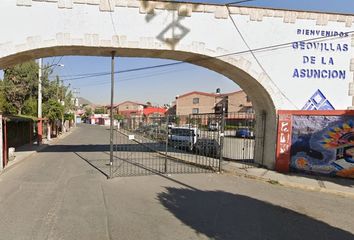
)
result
[(323, 144), (318, 101)]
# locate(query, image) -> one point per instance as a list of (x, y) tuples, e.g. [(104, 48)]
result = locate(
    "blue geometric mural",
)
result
[(318, 101)]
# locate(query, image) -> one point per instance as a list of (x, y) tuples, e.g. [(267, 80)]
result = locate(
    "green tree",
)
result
[(50, 90), (30, 106), (118, 117), (88, 112), (20, 83), (99, 110), (3, 102), (53, 110)]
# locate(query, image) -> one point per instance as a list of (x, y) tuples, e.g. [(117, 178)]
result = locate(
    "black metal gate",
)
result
[(180, 144)]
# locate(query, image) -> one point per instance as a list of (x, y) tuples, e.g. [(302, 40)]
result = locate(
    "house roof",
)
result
[(236, 92), (136, 103), (209, 94), (198, 93), (151, 110)]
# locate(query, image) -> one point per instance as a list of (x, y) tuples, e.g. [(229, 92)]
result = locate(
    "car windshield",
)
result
[(181, 132)]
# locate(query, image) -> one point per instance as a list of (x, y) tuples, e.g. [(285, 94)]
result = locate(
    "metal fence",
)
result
[(182, 144)]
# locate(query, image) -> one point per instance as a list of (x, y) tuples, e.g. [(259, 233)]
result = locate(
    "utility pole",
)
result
[(62, 102), (76, 103), (39, 124)]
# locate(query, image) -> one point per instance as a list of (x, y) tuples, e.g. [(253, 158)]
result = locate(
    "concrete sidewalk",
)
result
[(337, 186), (27, 150)]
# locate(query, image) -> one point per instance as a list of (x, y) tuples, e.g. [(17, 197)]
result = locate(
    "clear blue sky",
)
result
[(160, 86)]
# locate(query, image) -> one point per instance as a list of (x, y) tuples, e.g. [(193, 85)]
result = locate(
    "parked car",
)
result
[(182, 137), (213, 126), (207, 147), (244, 133)]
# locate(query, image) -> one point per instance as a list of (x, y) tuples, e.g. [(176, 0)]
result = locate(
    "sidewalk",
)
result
[(27, 150), (337, 186)]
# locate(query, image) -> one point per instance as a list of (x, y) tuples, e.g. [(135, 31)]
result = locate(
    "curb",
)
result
[(290, 184)]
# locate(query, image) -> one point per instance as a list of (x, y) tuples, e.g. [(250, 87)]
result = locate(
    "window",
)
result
[(248, 99), (195, 100), (195, 110)]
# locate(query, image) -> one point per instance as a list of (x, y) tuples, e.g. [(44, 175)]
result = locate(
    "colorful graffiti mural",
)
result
[(323, 144)]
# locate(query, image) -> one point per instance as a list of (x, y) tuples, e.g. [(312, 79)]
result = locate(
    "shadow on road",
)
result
[(223, 215)]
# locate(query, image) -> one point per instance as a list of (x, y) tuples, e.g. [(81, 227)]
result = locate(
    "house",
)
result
[(200, 102), (130, 109), (195, 103)]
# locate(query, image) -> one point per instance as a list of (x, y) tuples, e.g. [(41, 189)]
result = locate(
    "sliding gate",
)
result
[(172, 144)]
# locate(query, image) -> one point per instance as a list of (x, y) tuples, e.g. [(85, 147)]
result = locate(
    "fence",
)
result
[(182, 144)]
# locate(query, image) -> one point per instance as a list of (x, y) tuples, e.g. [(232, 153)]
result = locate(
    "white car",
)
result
[(183, 137)]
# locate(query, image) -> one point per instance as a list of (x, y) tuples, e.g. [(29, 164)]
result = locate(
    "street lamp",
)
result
[(40, 131)]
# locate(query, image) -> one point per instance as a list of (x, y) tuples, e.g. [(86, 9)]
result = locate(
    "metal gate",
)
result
[(195, 143)]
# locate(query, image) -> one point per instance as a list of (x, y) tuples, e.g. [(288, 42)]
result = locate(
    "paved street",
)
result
[(60, 194)]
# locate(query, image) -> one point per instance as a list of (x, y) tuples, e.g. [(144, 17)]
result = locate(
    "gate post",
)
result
[(222, 133), (1, 145), (166, 145), (111, 118), (39, 131)]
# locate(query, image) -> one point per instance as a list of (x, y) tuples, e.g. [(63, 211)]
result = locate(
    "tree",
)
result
[(87, 114), (30, 106), (53, 110), (100, 110), (20, 83), (118, 117), (3, 102)]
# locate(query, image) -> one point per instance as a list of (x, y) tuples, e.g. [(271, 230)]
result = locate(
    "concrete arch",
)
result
[(185, 32), (261, 99)]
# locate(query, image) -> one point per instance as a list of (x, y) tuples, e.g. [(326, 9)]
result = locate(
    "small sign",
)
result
[(131, 137)]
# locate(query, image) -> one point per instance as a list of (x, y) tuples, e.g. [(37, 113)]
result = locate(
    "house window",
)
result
[(195, 100), (195, 110), (248, 99)]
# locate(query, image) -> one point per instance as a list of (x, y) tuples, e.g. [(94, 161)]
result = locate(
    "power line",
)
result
[(255, 57), (134, 78), (204, 58), (238, 2), (56, 65)]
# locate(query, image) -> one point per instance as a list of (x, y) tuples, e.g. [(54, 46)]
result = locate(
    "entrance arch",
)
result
[(216, 37), (261, 100)]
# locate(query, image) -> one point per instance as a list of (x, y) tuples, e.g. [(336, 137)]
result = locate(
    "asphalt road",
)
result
[(59, 194)]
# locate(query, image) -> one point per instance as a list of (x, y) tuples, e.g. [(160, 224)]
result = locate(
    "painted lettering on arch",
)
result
[(320, 55)]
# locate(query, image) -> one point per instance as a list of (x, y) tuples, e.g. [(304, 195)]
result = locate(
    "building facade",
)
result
[(195, 103), (201, 102)]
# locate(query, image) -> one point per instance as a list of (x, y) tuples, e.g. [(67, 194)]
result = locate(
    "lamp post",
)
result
[(40, 72)]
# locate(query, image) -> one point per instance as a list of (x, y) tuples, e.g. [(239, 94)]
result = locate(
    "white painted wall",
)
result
[(33, 29)]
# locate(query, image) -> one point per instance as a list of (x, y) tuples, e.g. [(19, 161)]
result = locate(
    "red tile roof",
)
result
[(151, 110)]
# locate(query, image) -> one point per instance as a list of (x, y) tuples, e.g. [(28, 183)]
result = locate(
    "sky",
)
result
[(160, 86)]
